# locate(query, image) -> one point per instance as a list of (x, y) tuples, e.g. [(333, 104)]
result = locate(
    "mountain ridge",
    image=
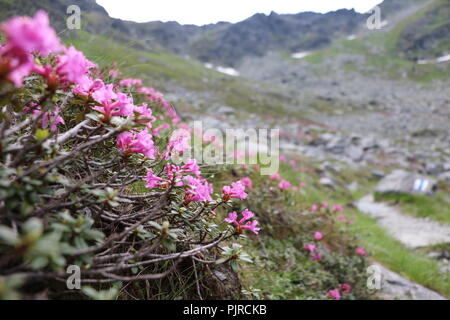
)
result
[(227, 44)]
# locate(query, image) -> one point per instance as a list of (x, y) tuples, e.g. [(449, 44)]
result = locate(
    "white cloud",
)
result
[(210, 11)]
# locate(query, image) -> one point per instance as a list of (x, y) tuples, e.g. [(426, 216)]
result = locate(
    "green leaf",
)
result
[(42, 134), (235, 265), (93, 234), (8, 236), (222, 260), (39, 262)]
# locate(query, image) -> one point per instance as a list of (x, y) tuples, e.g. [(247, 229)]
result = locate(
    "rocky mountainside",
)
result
[(221, 43), (428, 34), (228, 44), (262, 33)]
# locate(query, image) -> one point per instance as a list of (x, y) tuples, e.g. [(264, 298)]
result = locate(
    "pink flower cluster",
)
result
[(247, 182), (136, 142), (283, 184), (244, 223), (32, 46), (237, 190), (189, 176), (29, 42), (131, 83), (158, 98), (361, 251), (179, 142), (199, 190), (48, 119), (112, 104), (312, 249), (326, 206), (24, 37), (336, 294)]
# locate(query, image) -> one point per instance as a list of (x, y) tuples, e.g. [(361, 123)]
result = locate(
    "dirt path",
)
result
[(412, 232)]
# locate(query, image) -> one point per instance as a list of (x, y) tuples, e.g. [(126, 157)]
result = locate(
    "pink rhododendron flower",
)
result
[(88, 87), (25, 36), (174, 174), (157, 97), (122, 106), (143, 114), (301, 185), (275, 176), (208, 137), (316, 257), (191, 166), (345, 288), (360, 251), (179, 142), (131, 82), (324, 205), (31, 35), (237, 190), (310, 247), (15, 67), (334, 294), (104, 94), (49, 118), (284, 185), (52, 118), (318, 236), (243, 224), (152, 180), (199, 190), (73, 67), (314, 208), (132, 142), (338, 208), (162, 127), (247, 182), (342, 218), (114, 73)]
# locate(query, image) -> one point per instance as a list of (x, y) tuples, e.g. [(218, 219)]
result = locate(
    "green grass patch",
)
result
[(435, 207)]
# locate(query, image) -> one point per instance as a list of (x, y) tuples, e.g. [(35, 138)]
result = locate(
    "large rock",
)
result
[(226, 110), (395, 287), (337, 145), (445, 176), (433, 169), (400, 181), (354, 152)]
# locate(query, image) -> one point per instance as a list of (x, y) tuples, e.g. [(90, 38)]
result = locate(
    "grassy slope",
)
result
[(298, 280), (436, 207), (434, 15), (380, 52), (414, 265), (165, 71)]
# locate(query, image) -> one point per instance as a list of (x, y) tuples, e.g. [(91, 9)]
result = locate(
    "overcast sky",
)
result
[(202, 12)]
